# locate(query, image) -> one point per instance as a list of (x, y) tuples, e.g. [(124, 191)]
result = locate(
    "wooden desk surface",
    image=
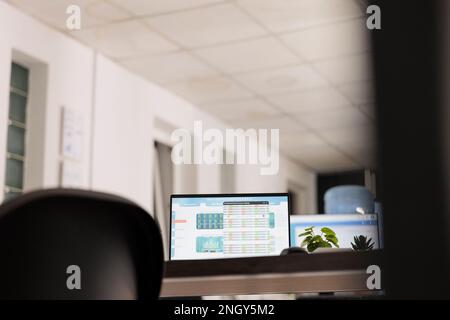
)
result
[(321, 272)]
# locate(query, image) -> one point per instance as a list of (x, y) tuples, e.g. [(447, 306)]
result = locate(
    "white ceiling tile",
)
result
[(361, 92), (311, 150), (249, 55), (335, 119), (206, 26), (322, 158), (53, 12), (285, 15), (250, 109), (292, 142), (330, 41), (307, 145), (284, 124), (310, 101), (180, 66), (124, 39), (152, 7), (351, 136), (346, 69), (103, 12), (209, 90), (281, 79)]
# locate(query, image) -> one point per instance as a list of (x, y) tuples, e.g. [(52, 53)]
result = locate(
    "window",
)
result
[(15, 153)]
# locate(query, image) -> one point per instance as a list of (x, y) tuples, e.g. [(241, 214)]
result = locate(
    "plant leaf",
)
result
[(333, 239), (306, 241), (325, 244), (330, 237), (305, 234), (328, 231), (312, 246)]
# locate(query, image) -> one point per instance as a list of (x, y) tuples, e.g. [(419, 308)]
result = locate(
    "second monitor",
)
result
[(346, 226)]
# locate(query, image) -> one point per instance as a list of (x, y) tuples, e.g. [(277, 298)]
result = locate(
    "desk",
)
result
[(321, 272)]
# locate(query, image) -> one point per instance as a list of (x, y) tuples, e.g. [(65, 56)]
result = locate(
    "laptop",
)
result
[(206, 226)]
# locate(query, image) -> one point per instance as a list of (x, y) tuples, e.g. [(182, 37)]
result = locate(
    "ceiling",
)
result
[(297, 65)]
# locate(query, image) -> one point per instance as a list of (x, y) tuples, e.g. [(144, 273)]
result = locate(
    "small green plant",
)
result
[(362, 244), (312, 241)]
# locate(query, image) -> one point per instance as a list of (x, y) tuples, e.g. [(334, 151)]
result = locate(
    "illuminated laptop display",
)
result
[(228, 226), (346, 227)]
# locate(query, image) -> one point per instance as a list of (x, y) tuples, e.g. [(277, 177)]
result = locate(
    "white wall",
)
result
[(248, 179), (122, 134), (69, 83), (127, 112)]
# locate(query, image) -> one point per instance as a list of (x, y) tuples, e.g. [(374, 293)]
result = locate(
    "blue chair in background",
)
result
[(349, 199)]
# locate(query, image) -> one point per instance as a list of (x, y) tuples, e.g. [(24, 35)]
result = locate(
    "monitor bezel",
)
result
[(227, 195)]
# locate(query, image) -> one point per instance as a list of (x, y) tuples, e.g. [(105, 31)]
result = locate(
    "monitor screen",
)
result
[(228, 226), (346, 227)]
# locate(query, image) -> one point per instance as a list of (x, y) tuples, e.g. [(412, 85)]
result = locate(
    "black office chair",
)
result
[(73, 244)]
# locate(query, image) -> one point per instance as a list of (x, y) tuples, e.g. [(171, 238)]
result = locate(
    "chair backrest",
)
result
[(73, 244), (347, 199)]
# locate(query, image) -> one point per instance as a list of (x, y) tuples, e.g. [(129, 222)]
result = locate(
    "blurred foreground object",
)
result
[(73, 244)]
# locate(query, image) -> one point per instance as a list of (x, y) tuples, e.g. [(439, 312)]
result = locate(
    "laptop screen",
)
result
[(228, 226)]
